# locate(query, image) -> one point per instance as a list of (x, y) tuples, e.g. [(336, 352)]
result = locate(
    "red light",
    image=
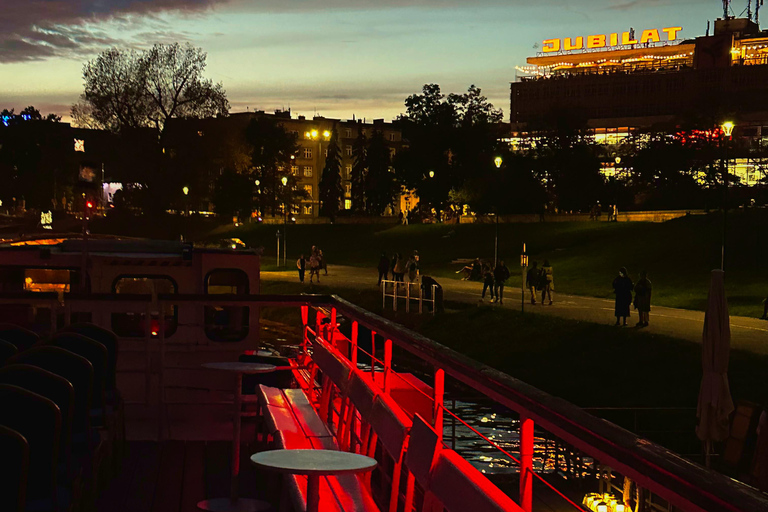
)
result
[(89, 204)]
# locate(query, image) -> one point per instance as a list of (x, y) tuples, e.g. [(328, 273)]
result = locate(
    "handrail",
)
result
[(680, 481)]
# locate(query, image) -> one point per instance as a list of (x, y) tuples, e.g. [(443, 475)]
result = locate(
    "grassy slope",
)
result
[(585, 363), (586, 256)]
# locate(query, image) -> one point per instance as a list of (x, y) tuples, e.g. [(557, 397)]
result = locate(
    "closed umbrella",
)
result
[(715, 403)]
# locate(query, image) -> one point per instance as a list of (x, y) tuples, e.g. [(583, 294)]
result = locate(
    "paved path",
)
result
[(746, 333)]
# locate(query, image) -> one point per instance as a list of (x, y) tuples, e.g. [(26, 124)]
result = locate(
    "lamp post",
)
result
[(284, 181), (727, 131), (524, 266), (186, 199)]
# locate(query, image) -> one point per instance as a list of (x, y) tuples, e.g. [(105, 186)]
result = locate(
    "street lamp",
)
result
[(523, 266), (727, 128), (431, 174), (186, 200), (498, 161), (284, 181)]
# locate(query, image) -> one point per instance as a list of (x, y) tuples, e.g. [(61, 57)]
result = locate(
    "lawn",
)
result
[(586, 256)]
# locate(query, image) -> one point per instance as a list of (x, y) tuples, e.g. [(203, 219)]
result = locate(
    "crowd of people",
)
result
[(316, 264), (398, 266)]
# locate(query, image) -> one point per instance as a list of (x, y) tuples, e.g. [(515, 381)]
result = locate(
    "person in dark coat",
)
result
[(487, 280), (392, 266), (383, 267), (500, 276), (643, 298), (622, 287)]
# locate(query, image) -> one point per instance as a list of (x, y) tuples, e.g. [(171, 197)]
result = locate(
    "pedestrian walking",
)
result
[(547, 282), (399, 269), (532, 280), (314, 267), (643, 289), (383, 267), (622, 287), (487, 280), (323, 262), (301, 264), (412, 268), (500, 276)]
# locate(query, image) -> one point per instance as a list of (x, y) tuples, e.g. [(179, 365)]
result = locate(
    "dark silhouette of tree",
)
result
[(360, 154), (129, 89), (29, 113), (331, 190), (272, 149), (233, 194), (380, 184)]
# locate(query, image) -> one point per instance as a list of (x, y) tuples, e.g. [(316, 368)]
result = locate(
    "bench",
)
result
[(292, 423)]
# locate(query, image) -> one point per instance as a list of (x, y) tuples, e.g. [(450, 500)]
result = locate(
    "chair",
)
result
[(96, 354), (40, 425), (13, 485), (423, 446), (76, 369), (106, 338), (17, 336), (55, 388), (7, 351)]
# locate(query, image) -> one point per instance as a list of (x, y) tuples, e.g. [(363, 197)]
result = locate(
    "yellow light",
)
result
[(284, 181), (431, 174), (619, 507), (314, 134), (602, 507), (307, 134), (326, 134), (728, 128), (497, 161), (185, 190)]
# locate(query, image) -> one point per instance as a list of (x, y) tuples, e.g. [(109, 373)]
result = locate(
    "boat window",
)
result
[(132, 324), (226, 323)]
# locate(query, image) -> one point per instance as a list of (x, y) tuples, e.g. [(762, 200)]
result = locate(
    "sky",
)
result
[(335, 58)]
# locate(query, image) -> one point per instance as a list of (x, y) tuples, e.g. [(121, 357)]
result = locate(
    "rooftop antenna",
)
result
[(758, 4), (726, 8), (707, 35), (749, 10)]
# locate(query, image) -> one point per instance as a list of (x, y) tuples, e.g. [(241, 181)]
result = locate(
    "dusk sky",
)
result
[(335, 58)]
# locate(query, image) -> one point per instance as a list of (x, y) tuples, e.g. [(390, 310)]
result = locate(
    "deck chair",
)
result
[(96, 354), (40, 425), (7, 351), (106, 338), (13, 485), (55, 388), (336, 371), (361, 394), (18, 336)]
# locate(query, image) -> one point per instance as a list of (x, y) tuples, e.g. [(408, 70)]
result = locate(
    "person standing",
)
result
[(399, 268), (500, 276), (643, 289), (301, 264), (622, 287), (323, 263), (413, 268), (392, 266), (547, 282), (532, 280), (487, 280), (383, 267), (314, 267)]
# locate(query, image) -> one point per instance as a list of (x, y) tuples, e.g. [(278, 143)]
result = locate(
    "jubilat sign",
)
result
[(608, 40)]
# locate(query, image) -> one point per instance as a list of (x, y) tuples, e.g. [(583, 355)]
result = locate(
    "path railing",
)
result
[(402, 290)]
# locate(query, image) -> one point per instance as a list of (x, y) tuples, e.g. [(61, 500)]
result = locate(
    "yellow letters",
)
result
[(672, 32), (596, 41), (626, 40), (551, 45), (570, 45), (650, 36), (614, 39)]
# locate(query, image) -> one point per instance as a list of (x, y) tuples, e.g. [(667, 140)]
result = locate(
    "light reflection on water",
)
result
[(500, 426)]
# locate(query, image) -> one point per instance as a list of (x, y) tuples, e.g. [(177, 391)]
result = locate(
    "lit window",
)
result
[(133, 325), (392, 137), (391, 152), (307, 152), (307, 209), (348, 189), (307, 171), (80, 145), (347, 204), (349, 150), (226, 323), (295, 170), (308, 190), (349, 172), (347, 132)]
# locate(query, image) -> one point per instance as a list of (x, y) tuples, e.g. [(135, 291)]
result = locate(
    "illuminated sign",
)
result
[(80, 145), (653, 35)]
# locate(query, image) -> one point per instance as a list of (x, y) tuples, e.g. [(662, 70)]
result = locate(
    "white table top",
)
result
[(238, 367), (313, 462)]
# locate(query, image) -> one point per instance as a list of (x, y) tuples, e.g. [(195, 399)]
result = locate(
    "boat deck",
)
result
[(172, 476)]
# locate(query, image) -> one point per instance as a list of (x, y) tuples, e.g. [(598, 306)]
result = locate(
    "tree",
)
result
[(273, 150), (380, 183), (233, 194), (331, 190), (129, 89), (359, 170)]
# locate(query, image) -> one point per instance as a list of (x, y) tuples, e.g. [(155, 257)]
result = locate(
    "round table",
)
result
[(234, 503), (314, 464)]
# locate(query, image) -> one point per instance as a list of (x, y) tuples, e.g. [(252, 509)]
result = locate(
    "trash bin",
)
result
[(426, 287)]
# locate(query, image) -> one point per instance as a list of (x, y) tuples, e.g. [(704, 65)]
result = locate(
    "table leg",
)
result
[(233, 492), (313, 493)]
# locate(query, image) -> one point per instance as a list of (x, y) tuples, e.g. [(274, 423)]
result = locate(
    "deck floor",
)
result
[(173, 476)]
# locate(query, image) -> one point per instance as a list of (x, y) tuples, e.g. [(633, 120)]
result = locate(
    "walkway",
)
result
[(749, 334)]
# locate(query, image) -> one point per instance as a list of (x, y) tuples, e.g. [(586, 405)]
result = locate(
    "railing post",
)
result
[(394, 298), (332, 330), (353, 355), (408, 297), (373, 356), (526, 463), (434, 299), (305, 322), (421, 300), (437, 411), (161, 372), (387, 364), (383, 294)]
